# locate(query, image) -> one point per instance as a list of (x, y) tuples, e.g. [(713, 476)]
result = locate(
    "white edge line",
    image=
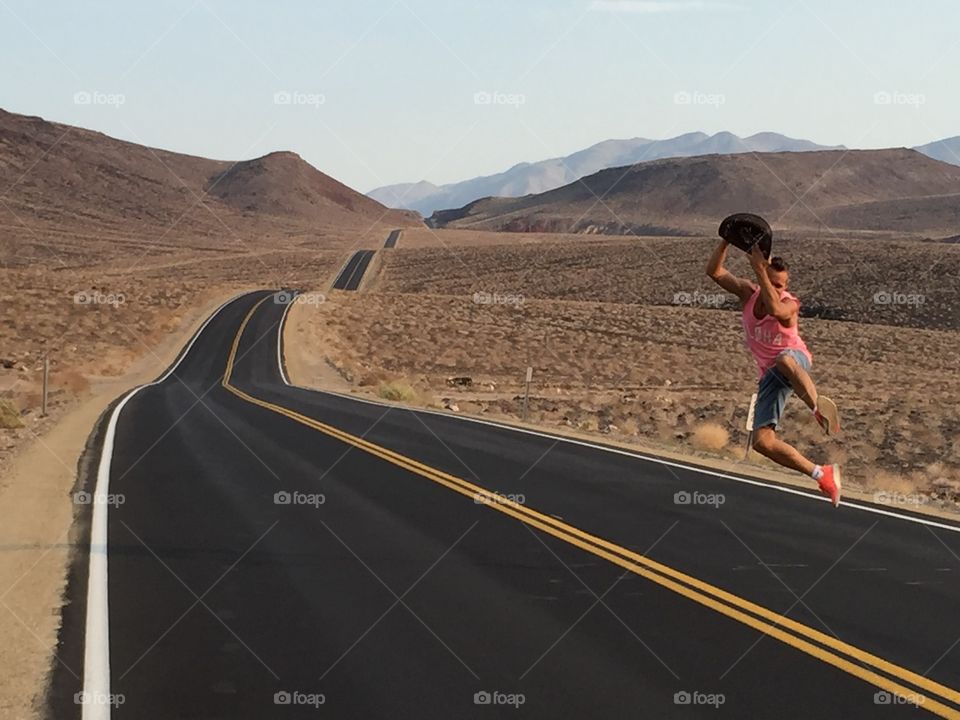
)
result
[(628, 453), (96, 653), (283, 320)]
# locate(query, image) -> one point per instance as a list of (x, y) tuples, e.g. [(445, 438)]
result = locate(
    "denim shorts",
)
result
[(773, 392)]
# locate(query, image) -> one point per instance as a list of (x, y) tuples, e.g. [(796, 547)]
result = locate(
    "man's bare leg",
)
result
[(800, 380), (766, 442), (824, 409)]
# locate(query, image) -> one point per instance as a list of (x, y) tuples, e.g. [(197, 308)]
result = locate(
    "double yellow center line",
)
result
[(926, 693)]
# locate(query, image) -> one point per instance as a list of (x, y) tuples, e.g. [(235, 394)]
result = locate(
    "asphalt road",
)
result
[(268, 543), (352, 273), (392, 238)]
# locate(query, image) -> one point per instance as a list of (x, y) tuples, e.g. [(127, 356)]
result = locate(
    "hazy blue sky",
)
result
[(383, 91)]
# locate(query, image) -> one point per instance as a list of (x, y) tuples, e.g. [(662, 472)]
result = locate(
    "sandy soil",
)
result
[(36, 513)]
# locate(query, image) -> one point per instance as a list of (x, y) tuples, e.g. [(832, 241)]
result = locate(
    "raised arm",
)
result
[(740, 287), (785, 311)]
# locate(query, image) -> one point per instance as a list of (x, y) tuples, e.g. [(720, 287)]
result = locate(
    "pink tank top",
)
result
[(766, 338)]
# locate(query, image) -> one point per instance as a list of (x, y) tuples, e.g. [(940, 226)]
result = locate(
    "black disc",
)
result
[(744, 230)]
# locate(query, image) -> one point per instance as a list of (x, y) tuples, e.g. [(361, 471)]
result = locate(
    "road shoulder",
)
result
[(39, 535)]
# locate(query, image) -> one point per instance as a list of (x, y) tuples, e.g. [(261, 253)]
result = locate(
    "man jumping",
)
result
[(771, 328)]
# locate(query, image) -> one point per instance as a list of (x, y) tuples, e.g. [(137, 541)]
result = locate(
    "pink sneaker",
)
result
[(830, 483)]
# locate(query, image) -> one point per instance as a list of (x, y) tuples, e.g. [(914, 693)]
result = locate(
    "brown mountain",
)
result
[(64, 181), (896, 189), (283, 184)]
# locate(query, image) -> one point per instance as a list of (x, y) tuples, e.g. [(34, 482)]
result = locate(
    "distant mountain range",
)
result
[(946, 150), (895, 190), (539, 177)]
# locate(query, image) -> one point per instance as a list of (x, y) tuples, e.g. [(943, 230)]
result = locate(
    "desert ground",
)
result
[(897, 283), (629, 340)]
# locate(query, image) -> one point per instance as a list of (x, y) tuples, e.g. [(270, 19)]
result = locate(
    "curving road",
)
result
[(352, 272), (274, 552)]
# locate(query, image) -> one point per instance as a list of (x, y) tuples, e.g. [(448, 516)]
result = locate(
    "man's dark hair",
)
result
[(778, 263)]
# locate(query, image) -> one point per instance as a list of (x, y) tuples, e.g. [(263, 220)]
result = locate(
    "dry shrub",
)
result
[(399, 390), (371, 378), (889, 481), (710, 436), (629, 427), (9, 415), (590, 424)]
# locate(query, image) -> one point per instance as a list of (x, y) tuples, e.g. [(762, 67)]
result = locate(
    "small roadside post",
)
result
[(46, 382), (526, 391)]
